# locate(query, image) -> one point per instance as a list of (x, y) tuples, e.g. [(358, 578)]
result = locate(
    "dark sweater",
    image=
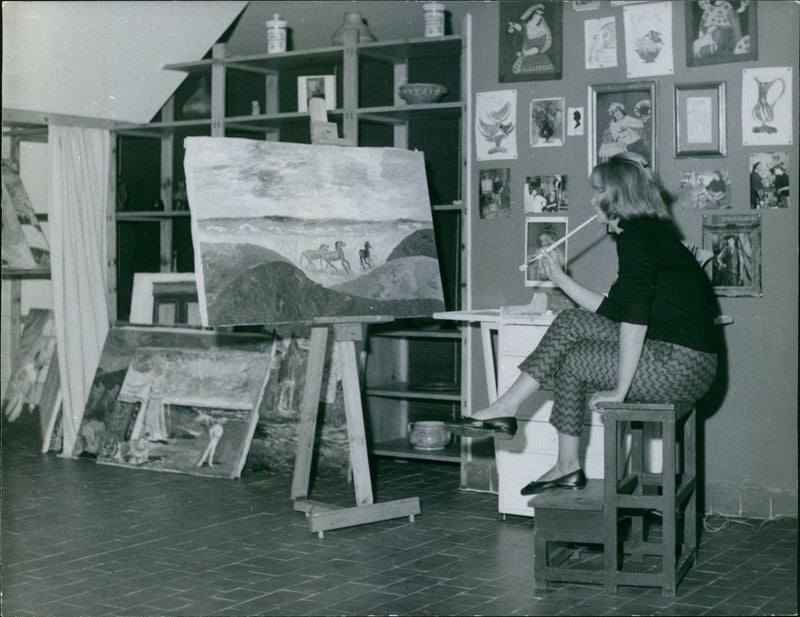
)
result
[(661, 285)]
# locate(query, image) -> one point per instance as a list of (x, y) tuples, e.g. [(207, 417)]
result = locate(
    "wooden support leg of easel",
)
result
[(323, 517)]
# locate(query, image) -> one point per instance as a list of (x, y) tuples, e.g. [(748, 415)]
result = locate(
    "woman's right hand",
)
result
[(551, 267)]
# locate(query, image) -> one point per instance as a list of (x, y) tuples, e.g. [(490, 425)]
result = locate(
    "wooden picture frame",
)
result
[(556, 227), (530, 45), (700, 119), (708, 42), (322, 86), (735, 241), (623, 118)]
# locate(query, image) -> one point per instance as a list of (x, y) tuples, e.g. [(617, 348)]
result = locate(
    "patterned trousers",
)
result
[(579, 354)]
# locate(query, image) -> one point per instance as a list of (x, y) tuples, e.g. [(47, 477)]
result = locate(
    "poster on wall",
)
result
[(718, 32), (545, 194), (494, 200), (495, 125), (286, 232), (648, 39), (705, 190), (769, 180), (735, 241), (600, 43), (622, 119), (767, 106), (541, 232), (547, 122), (530, 41)]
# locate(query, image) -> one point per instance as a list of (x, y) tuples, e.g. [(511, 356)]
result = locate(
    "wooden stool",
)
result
[(565, 516), (632, 493)]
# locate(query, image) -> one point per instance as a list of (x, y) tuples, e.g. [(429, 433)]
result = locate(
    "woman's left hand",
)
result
[(606, 396)]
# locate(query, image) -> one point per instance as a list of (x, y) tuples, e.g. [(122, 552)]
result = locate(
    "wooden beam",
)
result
[(21, 116)]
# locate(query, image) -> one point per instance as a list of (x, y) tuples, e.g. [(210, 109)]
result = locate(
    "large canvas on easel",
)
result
[(175, 400), (288, 232), (24, 243)]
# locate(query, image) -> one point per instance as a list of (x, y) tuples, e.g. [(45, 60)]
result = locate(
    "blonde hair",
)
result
[(632, 187)]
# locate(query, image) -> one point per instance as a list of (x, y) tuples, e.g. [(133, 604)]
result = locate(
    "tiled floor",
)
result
[(86, 539)]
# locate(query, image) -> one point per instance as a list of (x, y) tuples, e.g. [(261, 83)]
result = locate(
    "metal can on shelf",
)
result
[(434, 19), (276, 35)]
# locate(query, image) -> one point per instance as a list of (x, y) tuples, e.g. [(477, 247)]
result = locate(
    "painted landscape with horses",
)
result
[(289, 232)]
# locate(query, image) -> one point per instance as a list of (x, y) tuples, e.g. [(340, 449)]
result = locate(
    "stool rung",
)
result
[(686, 490), (641, 502), (569, 575)]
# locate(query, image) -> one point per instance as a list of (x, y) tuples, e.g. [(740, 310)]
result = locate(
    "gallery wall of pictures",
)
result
[(689, 85)]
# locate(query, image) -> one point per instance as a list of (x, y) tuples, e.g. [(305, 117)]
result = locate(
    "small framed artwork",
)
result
[(547, 122), (541, 232), (705, 190), (700, 120), (320, 86), (494, 200), (769, 180), (735, 241), (718, 32), (623, 119), (767, 106), (544, 194), (575, 121), (530, 41)]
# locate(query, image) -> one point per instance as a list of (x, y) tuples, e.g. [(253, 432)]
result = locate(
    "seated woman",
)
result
[(651, 339)]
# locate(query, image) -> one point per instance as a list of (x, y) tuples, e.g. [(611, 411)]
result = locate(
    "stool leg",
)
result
[(690, 472), (669, 506), (539, 560), (610, 457), (637, 468)]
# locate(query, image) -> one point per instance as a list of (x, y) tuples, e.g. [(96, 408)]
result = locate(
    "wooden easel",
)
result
[(322, 516)]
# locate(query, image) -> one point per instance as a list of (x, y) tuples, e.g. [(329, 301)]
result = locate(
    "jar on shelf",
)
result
[(353, 22), (276, 35), (434, 19)]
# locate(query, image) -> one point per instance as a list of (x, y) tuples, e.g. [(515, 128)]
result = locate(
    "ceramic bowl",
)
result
[(415, 94), (428, 435)]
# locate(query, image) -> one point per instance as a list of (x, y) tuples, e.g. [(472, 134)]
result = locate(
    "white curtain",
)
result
[(80, 160)]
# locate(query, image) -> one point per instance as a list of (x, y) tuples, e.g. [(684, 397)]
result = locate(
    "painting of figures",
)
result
[(24, 245), (175, 400), (285, 233)]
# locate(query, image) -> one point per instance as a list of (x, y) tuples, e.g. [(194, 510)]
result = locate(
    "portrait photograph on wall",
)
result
[(622, 119), (735, 241), (769, 180), (718, 32), (705, 190), (547, 122), (767, 106), (494, 200), (530, 41), (495, 125), (545, 194), (541, 232), (648, 39), (700, 120)]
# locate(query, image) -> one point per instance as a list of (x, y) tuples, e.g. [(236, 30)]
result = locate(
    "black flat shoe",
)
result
[(501, 428), (573, 480)]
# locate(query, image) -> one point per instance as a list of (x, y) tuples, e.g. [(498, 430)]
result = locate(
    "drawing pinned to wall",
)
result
[(530, 41), (705, 190), (24, 244), (277, 228), (576, 119), (769, 180), (547, 123), (495, 194), (735, 241), (767, 106), (495, 125), (585, 5), (545, 194), (541, 232), (648, 39), (719, 31), (600, 43)]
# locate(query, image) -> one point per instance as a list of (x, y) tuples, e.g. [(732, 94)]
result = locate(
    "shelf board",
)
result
[(402, 449), (404, 49), (403, 113), (405, 391), (427, 334), (154, 214)]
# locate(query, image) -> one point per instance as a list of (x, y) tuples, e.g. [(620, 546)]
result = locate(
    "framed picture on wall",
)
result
[(530, 41), (735, 241), (700, 120), (718, 32), (622, 119), (547, 122), (541, 232), (321, 86)]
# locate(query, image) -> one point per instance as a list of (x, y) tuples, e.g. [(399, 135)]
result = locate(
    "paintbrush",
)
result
[(559, 242)]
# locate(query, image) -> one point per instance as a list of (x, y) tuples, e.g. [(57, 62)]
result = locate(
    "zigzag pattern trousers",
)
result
[(579, 354)]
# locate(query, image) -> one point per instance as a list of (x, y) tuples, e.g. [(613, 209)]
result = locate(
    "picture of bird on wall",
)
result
[(495, 125)]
